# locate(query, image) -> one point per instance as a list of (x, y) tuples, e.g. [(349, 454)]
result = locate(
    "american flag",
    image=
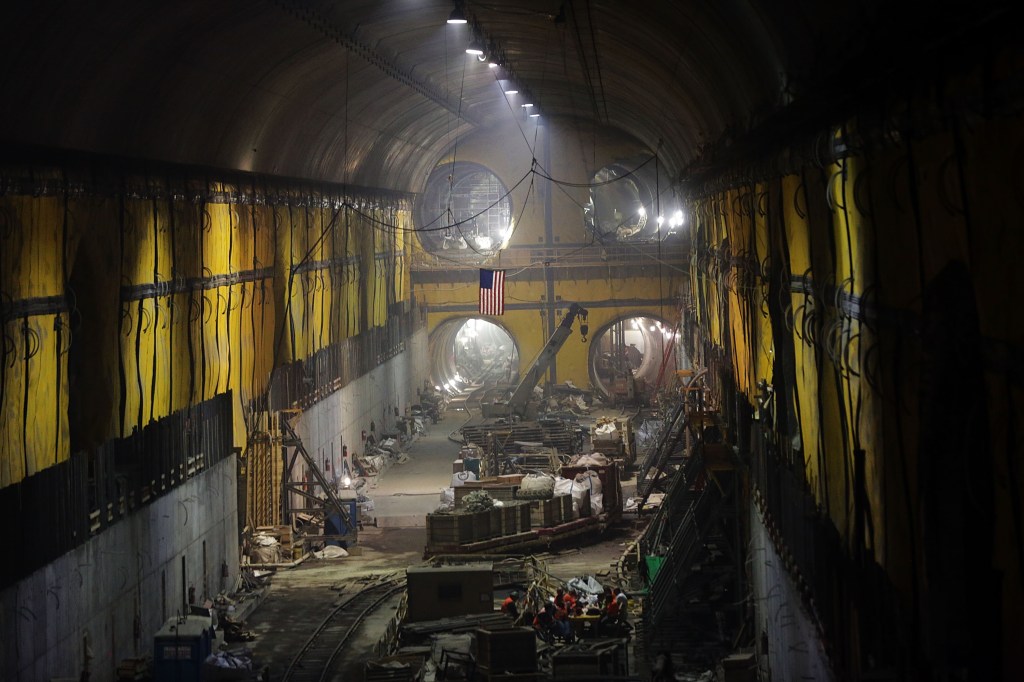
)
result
[(492, 292)]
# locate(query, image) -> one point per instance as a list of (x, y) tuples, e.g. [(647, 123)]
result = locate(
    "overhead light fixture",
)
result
[(457, 16), (475, 48), (511, 91), (676, 220), (493, 64), (535, 115), (527, 105)]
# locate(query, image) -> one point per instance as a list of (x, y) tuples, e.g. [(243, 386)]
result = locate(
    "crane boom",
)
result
[(521, 396)]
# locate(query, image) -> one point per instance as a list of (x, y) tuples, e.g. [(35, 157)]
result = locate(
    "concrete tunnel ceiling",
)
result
[(374, 92)]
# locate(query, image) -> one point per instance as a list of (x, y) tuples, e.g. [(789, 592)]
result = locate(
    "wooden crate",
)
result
[(544, 513), (284, 538), (507, 649), (609, 448), (509, 519), (282, 533), (525, 519), (505, 493), (481, 525), (448, 529), (566, 507), (497, 515), (460, 494)]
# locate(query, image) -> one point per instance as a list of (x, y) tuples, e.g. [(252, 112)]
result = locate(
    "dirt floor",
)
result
[(298, 598)]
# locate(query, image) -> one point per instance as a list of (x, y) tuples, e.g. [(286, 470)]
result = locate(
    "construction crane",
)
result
[(518, 403)]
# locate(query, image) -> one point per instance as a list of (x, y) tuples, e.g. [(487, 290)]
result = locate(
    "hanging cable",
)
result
[(156, 307), (122, 375)]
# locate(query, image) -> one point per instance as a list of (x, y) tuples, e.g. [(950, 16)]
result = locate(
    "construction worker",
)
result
[(544, 622), (609, 614), (623, 602), (570, 603), (509, 605), (561, 626)]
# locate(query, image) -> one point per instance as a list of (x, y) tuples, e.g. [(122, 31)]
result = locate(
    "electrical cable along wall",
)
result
[(133, 296), (857, 294), (36, 334)]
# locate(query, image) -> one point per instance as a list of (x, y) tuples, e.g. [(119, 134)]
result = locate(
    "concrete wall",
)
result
[(340, 419), (107, 598), (794, 650)]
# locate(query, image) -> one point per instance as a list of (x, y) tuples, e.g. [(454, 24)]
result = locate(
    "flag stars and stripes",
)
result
[(492, 292)]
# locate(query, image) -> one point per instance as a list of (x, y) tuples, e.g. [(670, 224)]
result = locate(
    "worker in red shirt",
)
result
[(562, 627), (570, 602), (544, 623), (509, 605), (609, 614), (623, 601)]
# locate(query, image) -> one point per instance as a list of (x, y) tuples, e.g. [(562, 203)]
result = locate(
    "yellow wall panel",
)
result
[(764, 354), (173, 303)]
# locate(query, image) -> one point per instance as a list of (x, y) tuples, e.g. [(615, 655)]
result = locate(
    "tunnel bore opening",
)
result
[(628, 356), (471, 351)]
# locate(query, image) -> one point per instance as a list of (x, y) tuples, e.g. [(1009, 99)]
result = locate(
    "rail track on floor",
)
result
[(316, 660)]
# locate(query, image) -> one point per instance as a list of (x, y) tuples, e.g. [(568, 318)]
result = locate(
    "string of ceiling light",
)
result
[(495, 60), (486, 50)]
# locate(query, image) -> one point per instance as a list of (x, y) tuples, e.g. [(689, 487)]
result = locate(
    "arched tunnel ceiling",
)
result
[(374, 92)]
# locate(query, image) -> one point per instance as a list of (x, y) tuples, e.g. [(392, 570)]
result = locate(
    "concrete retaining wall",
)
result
[(102, 602), (794, 649), (341, 418)]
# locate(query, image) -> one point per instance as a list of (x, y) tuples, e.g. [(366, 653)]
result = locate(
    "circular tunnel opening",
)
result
[(472, 351), (626, 358)]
